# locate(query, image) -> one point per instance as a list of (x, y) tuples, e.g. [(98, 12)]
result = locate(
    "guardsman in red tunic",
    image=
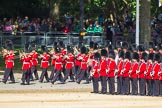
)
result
[(141, 74), (125, 73), (84, 66), (111, 72), (25, 58), (103, 71), (34, 61), (63, 52), (149, 79), (58, 65), (94, 72), (77, 62), (69, 66), (118, 72), (44, 63), (133, 73), (160, 73), (155, 73), (9, 61)]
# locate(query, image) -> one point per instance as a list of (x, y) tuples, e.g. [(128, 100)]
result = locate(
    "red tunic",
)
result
[(77, 61), (44, 61), (126, 69), (119, 68), (34, 57), (103, 67), (9, 60), (95, 67), (69, 62), (133, 71), (58, 62), (142, 70), (149, 69), (111, 68), (84, 62), (156, 70), (26, 62)]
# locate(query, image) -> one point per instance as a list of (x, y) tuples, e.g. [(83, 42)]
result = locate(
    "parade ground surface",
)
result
[(69, 95)]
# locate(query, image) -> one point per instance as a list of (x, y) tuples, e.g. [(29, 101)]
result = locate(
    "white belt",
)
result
[(26, 63), (69, 62), (10, 61), (58, 63), (44, 61)]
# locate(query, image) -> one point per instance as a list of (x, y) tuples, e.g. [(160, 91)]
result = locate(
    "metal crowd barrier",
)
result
[(49, 38)]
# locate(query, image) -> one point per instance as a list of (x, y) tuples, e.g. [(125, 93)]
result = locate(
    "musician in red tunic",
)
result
[(103, 71), (44, 63), (9, 61), (111, 72), (58, 65), (84, 66), (25, 59), (34, 61), (94, 72), (133, 73), (69, 66)]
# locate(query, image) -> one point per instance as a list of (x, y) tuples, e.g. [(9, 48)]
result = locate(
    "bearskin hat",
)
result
[(127, 55), (133, 47), (118, 44), (26, 48), (135, 55), (108, 42), (10, 46), (157, 57), (61, 44), (151, 56), (125, 45), (8, 42), (151, 45), (83, 50), (91, 44), (141, 48), (96, 46), (104, 52), (69, 49), (97, 56), (111, 54), (144, 56), (159, 47), (57, 49), (55, 44), (44, 48), (121, 54), (33, 47)]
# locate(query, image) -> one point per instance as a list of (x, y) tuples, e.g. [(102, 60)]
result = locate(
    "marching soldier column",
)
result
[(138, 69)]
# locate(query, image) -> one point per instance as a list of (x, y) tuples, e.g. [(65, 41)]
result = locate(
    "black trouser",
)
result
[(103, 84), (95, 85), (52, 73), (160, 88), (149, 86), (34, 70), (125, 86), (156, 87), (26, 76), (8, 72), (69, 72), (134, 83), (119, 85), (44, 74), (81, 74), (142, 86), (57, 75), (111, 83), (63, 69), (76, 71)]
